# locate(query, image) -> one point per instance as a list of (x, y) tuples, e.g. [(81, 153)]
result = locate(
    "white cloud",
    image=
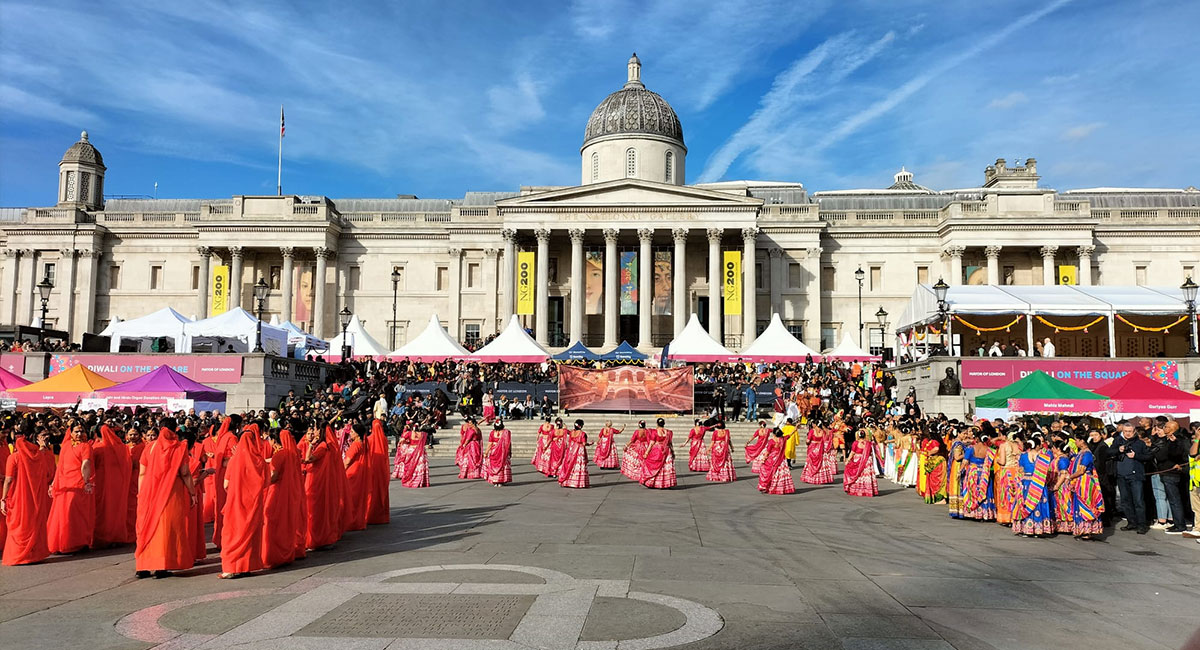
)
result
[(1008, 101), (24, 103), (1081, 131), (517, 105)]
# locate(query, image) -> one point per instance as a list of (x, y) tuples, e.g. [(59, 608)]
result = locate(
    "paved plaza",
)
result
[(466, 565)]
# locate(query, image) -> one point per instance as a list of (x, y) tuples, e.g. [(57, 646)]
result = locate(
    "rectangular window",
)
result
[(553, 272), (760, 282), (1139, 275), (49, 272), (471, 334), (443, 278), (876, 278), (399, 332), (1096, 275), (795, 275), (355, 279), (795, 328), (474, 276), (828, 279), (875, 340), (156, 279), (276, 277), (1189, 271), (922, 275), (114, 276), (828, 336), (195, 277)]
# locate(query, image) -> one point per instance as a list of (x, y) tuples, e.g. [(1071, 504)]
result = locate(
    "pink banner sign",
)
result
[(1070, 406), (138, 399), (999, 372), (204, 368)]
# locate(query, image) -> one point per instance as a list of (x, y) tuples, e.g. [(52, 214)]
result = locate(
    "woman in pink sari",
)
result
[(574, 472), (658, 461), (821, 462), (606, 446), (757, 446), (698, 460), (412, 464), (468, 457), (858, 479), (497, 461), (775, 477), (631, 457), (557, 448), (541, 457), (721, 466)]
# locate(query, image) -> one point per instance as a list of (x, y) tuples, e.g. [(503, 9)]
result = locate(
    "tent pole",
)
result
[(1112, 337), (1029, 333)]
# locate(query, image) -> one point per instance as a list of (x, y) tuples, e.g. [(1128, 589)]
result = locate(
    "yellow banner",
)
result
[(220, 291), (526, 276), (732, 272), (1067, 274)]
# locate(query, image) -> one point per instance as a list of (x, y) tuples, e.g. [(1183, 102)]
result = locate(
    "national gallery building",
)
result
[(627, 254)]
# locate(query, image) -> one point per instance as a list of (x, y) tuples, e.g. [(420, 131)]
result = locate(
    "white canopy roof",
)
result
[(300, 338), (238, 325), (433, 344), (695, 344), (361, 344), (513, 344), (848, 350), (164, 322), (776, 343)]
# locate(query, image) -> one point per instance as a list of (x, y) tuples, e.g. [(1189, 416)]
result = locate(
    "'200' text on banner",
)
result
[(731, 272), (526, 277), (220, 291)]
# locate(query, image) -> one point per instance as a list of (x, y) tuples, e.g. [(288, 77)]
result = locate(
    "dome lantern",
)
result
[(81, 176)]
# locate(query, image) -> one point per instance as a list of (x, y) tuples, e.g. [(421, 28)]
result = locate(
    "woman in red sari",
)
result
[(775, 477), (721, 468), (72, 523), (658, 461), (166, 496), (631, 456), (196, 460), (412, 463), (821, 461), (222, 451), (469, 458), (358, 469), (25, 501), (137, 446), (245, 490), (282, 509), (113, 472), (558, 448), (574, 472), (323, 525), (606, 446), (698, 459), (497, 461), (757, 446), (4, 454), (858, 479), (541, 457), (379, 508)]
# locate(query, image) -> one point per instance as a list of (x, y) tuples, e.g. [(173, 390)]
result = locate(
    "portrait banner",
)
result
[(733, 283), (629, 283), (302, 298), (662, 283), (593, 273), (220, 291), (628, 388), (526, 276)]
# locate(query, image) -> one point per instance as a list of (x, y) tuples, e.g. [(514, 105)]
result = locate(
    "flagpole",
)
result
[(279, 171)]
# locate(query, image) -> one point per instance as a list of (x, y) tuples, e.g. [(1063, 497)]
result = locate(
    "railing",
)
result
[(279, 369), (474, 212), (113, 217), (219, 209), (795, 209), (306, 209), (877, 216), (398, 216), (974, 207), (158, 217), (1068, 206)]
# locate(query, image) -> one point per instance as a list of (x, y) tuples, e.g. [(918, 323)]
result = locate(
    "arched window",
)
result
[(630, 162), (595, 166), (670, 175)]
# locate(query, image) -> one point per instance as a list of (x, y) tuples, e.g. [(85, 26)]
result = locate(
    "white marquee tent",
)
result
[(776, 343), (433, 344), (513, 345), (235, 328), (361, 343), (165, 322), (299, 340), (848, 350), (695, 344)]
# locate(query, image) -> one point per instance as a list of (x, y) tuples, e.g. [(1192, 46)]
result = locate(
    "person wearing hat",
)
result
[(574, 472)]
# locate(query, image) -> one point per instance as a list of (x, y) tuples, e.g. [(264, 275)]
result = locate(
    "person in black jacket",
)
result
[(1130, 458), (1171, 461), (1105, 473)]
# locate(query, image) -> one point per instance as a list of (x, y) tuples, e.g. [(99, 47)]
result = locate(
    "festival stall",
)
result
[(165, 388), (432, 344), (11, 380), (361, 344), (578, 353), (693, 343), (776, 343), (138, 334), (63, 389), (300, 343), (236, 329), (849, 351), (1038, 393), (513, 345), (1138, 395), (624, 355)]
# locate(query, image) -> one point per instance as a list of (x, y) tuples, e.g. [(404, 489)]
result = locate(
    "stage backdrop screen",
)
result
[(628, 388)]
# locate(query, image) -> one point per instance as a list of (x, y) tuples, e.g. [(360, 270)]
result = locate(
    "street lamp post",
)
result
[(940, 290), (881, 316), (44, 289), (260, 296), (1189, 297), (345, 316), (859, 275), (395, 294)]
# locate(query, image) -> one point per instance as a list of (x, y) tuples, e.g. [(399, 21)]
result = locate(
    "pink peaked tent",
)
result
[(10, 380), (157, 386), (1137, 394)]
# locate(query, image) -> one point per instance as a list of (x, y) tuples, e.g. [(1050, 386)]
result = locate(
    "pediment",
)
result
[(633, 192)]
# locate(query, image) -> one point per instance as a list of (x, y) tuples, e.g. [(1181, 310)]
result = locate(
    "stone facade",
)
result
[(455, 257)]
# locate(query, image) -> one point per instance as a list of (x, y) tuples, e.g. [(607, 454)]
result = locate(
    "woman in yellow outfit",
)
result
[(791, 436)]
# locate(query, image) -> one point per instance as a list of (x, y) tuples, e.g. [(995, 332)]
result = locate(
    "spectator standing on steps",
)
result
[(1130, 458)]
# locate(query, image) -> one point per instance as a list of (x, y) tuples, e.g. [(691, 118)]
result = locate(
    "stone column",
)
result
[(679, 286), (29, 279), (1085, 264), (776, 280), (541, 310), (812, 307), (205, 254), (508, 292), (749, 287), (577, 293), (714, 283), (955, 253), (993, 264), (1048, 270), (85, 316), (490, 274), (67, 294), (612, 303), (645, 287), (12, 260), (322, 255), (235, 275), (454, 297), (285, 283)]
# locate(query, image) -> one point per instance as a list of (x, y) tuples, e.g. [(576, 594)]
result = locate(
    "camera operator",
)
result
[(1130, 456)]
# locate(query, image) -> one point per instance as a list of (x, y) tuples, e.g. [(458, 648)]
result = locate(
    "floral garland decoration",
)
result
[(1006, 328), (1142, 328), (1069, 329)]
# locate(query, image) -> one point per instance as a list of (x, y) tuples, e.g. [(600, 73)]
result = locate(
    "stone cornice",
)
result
[(404, 236)]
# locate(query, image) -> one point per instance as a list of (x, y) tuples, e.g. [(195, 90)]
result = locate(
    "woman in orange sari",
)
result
[(112, 489), (756, 447), (245, 488), (166, 495), (497, 461), (379, 507), (4, 454), (72, 522), (357, 466), (468, 457), (196, 460), (323, 525), (137, 446), (721, 468), (282, 523), (606, 446), (25, 501)]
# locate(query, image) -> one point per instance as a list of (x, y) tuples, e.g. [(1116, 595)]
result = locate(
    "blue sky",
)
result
[(437, 98)]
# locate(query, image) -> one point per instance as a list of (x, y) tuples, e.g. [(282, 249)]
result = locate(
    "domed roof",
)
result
[(84, 152), (634, 110)]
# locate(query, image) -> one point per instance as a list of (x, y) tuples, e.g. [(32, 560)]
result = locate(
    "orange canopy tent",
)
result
[(63, 389)]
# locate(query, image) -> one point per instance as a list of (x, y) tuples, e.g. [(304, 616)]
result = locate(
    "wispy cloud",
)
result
[(1081, 131), (24, 103), (1013, 99)]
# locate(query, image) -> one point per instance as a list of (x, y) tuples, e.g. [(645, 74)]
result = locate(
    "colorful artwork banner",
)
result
[(662, 283), (627, 388), (629, 283), (593, 285), (732, 291), (1089, 375), (526, 276)]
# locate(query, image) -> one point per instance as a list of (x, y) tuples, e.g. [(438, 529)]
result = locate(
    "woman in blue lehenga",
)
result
[(978, 499), (1031, 511)]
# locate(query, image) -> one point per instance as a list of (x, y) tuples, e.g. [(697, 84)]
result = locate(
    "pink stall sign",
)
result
[(1070, 406), (204, 368), (998, 372)]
